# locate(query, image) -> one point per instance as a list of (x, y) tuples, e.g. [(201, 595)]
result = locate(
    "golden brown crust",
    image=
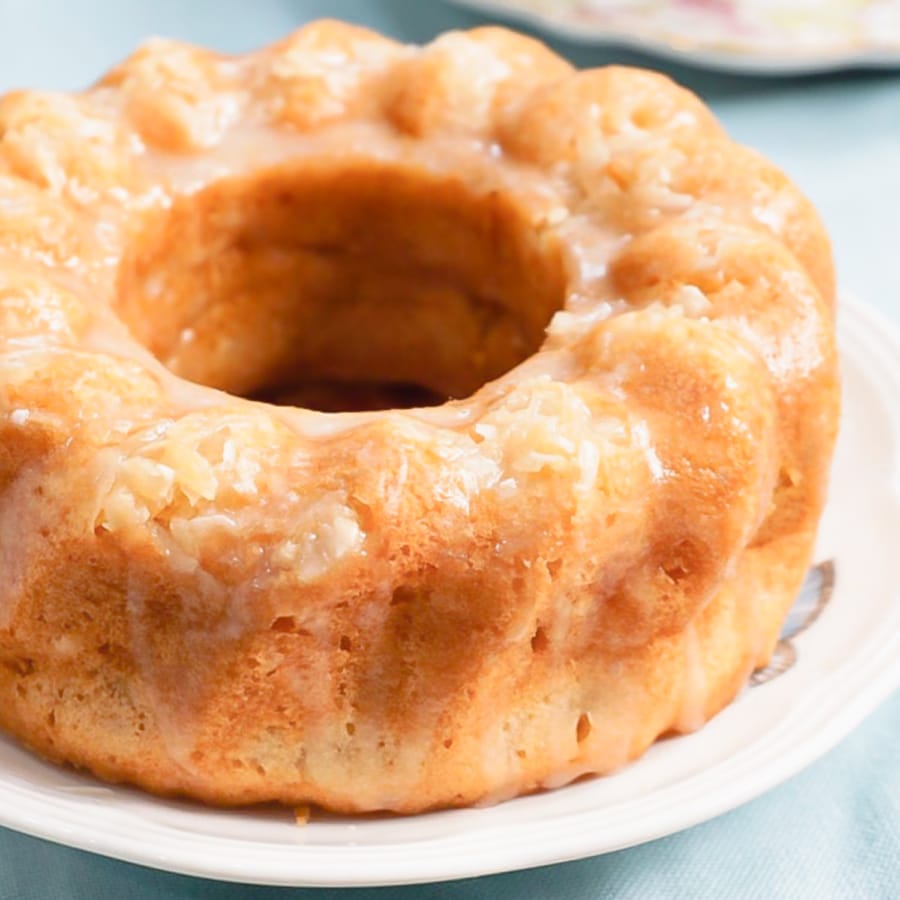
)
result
[(210, 596)]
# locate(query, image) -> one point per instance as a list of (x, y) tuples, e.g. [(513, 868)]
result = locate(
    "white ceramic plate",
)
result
[(844, 664), (759, 37)]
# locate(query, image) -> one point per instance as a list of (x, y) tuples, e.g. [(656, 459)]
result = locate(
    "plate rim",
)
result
[(740, 59), (439, 859)]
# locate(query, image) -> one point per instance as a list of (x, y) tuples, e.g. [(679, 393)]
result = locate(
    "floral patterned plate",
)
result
[(752, 36), (838, 658)]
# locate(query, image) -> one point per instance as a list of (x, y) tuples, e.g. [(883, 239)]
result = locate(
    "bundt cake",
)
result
[(615, 328)]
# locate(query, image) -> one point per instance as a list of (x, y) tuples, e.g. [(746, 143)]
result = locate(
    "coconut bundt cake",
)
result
[(621, 320)]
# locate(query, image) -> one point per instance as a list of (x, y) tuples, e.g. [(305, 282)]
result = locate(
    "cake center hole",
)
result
[(360, 288)]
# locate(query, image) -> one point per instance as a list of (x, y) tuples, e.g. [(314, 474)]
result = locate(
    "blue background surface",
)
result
[(831, 832)]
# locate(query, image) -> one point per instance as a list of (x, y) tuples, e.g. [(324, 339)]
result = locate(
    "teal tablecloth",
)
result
[(831, 832)]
